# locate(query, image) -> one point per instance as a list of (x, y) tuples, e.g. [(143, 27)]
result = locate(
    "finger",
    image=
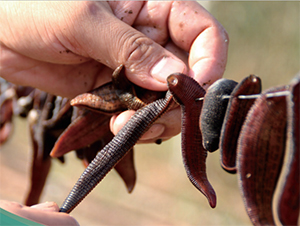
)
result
[(193, 29), (180, 53), (126, 11), (62, 80), (46, 206), (35, 31), (147, 63), (38, 215), (152, 21), (118, 122), (164, 128), (64, 30)]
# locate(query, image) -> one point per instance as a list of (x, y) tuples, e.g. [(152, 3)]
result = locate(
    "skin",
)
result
[(44, 213), (45, 45)]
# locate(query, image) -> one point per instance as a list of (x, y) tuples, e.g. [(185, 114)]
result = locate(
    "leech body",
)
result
[(77, 135), (261, 148), (288, 204), (103, 99), (185, 91), (234, 118), (113, 152), (213, 112)]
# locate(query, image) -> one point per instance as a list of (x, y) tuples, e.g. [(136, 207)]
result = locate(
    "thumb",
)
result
[(114, 42)]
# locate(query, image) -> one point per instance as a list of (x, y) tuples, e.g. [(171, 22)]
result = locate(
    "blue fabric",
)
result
[(9, 219)]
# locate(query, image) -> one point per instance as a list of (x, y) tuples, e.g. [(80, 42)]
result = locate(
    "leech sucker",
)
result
[(185, 91), (213, 112), (115, 150)]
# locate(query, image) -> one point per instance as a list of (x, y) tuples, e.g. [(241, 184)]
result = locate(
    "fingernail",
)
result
[(52, 206), (154, 132), (166, 66)]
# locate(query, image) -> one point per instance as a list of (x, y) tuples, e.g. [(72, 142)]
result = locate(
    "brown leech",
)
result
[(116, 96), (236, 113), (102, 99), (289, 191), (186, 91), (261, 148), (115, 150), (89, 126), (126, 170), (6, 113), (78, 135), (43, 137)]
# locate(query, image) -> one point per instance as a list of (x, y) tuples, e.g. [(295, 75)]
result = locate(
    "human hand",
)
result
[(44, 213), (67, 48)]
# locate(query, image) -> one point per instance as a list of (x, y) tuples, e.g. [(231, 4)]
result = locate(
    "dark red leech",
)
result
[(185, 91), (43, 136), (236, 113), (213, 112), (261, 148), (126, 170), (289, 201), (39, 167), (79, 135), (6, 113)]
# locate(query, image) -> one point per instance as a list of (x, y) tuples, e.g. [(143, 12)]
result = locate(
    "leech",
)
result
[(288, 201), (114, 151), (213, 112), (234, 118), (184, 90), (261, 148)]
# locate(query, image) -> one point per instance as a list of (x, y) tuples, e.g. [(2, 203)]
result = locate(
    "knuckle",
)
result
[(140, 49)]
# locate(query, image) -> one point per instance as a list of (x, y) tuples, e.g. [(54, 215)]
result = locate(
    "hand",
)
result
[(44, 213), (67, 48)]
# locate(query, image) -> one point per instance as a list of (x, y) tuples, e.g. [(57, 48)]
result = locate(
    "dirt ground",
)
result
[(264, 40)]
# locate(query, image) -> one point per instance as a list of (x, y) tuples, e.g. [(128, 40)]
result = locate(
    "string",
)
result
[(253, 96)]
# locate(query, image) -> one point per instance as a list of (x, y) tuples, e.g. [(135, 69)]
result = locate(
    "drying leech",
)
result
[(288, 203), (186, 91), (261, 148), (213, 112), (236, 113), (78, 135)]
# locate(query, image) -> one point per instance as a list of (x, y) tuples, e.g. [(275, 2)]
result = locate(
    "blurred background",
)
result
[(264, 40)]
